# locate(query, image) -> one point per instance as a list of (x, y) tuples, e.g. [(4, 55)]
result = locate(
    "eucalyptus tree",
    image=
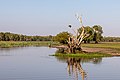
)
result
[(97, 33), (62, 37), (88, 30)]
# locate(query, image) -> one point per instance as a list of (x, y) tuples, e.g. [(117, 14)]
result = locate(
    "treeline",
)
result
[(61, 37), (7, 36), (111, 39)]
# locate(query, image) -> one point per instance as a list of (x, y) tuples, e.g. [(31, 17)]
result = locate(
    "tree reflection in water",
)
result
[(74, 67)]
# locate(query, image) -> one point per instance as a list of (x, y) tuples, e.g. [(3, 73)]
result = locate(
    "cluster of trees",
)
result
[(7, 36), (94, 34)]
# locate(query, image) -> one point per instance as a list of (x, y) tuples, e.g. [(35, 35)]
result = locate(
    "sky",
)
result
[(49, 17)]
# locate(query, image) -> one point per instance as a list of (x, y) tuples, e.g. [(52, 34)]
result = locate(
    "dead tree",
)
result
[(75, 40)]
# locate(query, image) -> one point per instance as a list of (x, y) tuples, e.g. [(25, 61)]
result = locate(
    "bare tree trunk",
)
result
[(75, 41)]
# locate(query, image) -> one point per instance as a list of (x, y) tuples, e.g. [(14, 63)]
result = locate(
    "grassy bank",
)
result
[(83, 55), (97, 50), (10, 44), (110, 45), (7, 44)]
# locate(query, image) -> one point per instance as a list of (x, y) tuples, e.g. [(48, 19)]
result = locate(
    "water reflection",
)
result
[(74, 67)]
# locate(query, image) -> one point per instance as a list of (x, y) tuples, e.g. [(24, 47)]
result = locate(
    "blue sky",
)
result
[(49, 17)]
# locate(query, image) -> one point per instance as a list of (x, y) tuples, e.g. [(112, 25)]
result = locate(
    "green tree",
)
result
[(22, 38), (97, 33), (62, 37), (88, 31)]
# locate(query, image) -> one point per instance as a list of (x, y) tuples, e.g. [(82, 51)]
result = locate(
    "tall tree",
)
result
[(97, 33)]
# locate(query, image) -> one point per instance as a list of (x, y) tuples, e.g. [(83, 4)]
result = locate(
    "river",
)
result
[(34, 63)]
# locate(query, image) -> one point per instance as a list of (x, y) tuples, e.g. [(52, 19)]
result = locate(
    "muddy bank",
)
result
[(113, 52)]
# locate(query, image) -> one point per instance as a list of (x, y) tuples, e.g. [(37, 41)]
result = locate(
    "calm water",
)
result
[(34, 63)]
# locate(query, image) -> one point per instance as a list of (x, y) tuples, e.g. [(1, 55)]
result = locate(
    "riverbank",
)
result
[(111, 48), (10, 44), (112, 52)]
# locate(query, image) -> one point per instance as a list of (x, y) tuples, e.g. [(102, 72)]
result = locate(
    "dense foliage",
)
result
[(62, 37), (19, 37), (97, 33), (89, 31), (94, 34)]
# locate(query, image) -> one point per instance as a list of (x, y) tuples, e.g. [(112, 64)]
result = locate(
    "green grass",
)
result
[(10, 44), (110, 45), (83, 55), (7, 44)]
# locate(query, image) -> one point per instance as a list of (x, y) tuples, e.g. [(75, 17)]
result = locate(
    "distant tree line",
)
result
[(7, 36), (111, 39), (62, 37)]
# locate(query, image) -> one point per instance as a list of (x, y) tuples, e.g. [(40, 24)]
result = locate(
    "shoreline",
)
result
[(107, 48), (112, 52)]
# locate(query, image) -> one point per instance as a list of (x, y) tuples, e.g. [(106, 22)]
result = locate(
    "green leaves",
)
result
[(95, 33), (62, 37)]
